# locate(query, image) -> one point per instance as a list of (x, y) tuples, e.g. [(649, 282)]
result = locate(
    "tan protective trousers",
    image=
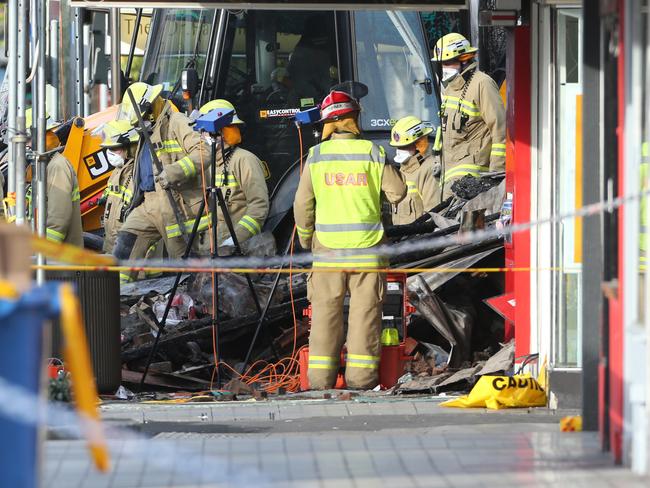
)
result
[(326, 292), (148, 222)]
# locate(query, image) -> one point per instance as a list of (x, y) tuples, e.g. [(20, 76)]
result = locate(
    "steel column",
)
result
[(12, 44), (41, 171), (116, 51), (20, 137), (592, 226), (79, 61)]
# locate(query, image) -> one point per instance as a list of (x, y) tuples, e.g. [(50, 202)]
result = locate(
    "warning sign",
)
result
[(279, 113)]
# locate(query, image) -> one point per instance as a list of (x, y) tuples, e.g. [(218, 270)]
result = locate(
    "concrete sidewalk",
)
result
[(323, 443)]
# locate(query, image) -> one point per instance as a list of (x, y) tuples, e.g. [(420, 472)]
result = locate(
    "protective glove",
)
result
[(437, 167), (228, 242), (162, 180)]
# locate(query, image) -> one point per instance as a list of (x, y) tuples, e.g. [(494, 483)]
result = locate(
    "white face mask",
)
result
[(114, 159), (449, 73), (403, 155)]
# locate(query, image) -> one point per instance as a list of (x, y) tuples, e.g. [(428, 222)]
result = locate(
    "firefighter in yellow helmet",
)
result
[(338, 207), (179, 149), (416, 165), (120, 141), (241, 178), (473, 118)]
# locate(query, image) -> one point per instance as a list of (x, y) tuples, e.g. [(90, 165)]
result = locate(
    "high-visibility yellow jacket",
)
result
[(338, 201), (118, 193), (63, 210), (244, 188), (181, 152), (473, 123), (423, 189)]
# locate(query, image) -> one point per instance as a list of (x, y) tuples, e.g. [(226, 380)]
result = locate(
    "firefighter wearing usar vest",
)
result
[(338, 208)]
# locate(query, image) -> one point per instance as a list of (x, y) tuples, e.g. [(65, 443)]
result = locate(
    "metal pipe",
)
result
[(12, 42), (79, 61), (87, 82), (54, 108), (211, 54), (20, 137), (33, 57), (41, 169), (116, 52), (134, 41)]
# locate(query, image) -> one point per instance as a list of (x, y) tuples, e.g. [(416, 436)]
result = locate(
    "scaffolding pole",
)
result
[(116, 52), (12, 42), (54, 107), (20, 136), (79, 61), (40, 16)]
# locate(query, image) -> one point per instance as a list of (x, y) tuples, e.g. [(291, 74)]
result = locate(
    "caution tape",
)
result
[(68, 253), (87, 261), (195, 465), (209, 269)]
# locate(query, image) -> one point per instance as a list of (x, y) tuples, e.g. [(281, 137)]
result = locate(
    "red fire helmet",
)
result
[(337, 104)]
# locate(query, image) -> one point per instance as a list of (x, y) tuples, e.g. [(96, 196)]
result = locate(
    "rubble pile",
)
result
[(453, 332), (427, 373), (184, 356)]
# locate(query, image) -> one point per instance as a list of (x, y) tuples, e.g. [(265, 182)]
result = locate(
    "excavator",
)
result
[(271, 64)]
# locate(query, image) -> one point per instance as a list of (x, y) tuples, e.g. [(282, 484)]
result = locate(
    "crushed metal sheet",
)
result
[(501, 362)]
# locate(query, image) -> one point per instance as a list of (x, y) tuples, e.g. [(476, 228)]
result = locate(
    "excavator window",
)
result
[(392, 59), (179, 40), (275, 64)]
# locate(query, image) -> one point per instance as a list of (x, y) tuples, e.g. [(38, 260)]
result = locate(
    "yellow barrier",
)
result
[(77, 359)]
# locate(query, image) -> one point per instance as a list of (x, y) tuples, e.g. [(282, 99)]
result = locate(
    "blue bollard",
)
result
[(21, 333)]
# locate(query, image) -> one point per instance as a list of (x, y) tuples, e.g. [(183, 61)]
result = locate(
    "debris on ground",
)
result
[(427, 375), (458, 333)]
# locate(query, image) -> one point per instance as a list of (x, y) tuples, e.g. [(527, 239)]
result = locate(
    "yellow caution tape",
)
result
[(77, 359), (496, 392), (210, 269), (68, 253)]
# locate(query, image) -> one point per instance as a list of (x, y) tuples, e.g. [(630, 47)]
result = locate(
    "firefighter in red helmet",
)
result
[(338, 208)]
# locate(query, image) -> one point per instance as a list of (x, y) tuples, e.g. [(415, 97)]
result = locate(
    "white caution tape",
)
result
[(386, 250), (195, 466)]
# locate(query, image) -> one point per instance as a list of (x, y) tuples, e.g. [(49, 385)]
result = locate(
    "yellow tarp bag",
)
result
[(498, 392)]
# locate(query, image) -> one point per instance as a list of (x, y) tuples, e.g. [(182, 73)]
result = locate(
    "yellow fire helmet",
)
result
[(221, 103), (452, 46), (49, 123), (142, 92), (407, 130), (118, 133)]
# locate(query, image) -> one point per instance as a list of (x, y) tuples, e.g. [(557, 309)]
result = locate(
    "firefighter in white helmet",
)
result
[(240, 175), (472, 116), (338, 208), (410, 137)]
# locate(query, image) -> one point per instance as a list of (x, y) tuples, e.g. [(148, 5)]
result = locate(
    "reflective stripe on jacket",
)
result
[(473, 136)]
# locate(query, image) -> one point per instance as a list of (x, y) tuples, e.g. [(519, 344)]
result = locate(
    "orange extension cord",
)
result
[(284, 374)]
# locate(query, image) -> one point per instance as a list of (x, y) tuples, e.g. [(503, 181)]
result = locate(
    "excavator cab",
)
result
[(272, 64)]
